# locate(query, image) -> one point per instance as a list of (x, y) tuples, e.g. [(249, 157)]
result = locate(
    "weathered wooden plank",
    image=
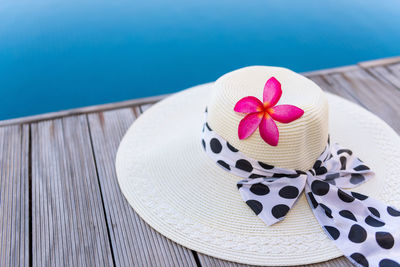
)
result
[(14, 196), (395, 69), (381, 99), (68, 223), (330, 87), (385, 75), (133, 241)]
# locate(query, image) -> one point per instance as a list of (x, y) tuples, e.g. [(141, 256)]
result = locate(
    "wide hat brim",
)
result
[(179, 191)]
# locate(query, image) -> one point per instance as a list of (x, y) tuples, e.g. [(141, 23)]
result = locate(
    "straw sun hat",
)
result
[(185, 184)]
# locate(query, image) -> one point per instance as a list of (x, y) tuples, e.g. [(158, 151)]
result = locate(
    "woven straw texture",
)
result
[(300, 142), (173, 185)]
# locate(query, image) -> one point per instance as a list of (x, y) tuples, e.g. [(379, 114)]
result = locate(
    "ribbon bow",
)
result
[(366, 230)]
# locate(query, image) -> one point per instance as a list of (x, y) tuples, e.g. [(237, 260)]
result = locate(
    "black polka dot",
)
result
[(318, 169), (255, 205), (289, 192), (360, 259), (265, 165), (343, 161), (280, 175), (361, 168), (384, 239), (320, 188), (204, 127), (347, 214), (374, 211), (333, 232), (371, 221), (259, 189), (393, 212), (357, 234), (328, 211), (312, 199), (321, 171), (317, 164), (344, 196), (203, 143), (208, 127), (279, 211), (254, 175), (359, 196), (388, 263), (215, 145), (244, 165), (224, 164), (300, 172), (356, 178), (231, 148), (348, 151), (239, 185)]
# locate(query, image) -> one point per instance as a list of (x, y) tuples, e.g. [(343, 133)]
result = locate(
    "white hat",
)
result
[(181, 192)]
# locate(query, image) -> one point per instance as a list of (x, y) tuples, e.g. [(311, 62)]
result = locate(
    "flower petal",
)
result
[(249, 124), (272, 92), (269, 131), (248, 104), (285, 113)]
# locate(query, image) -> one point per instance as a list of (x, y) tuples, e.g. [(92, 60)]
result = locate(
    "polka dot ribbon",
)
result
[(366, 230)]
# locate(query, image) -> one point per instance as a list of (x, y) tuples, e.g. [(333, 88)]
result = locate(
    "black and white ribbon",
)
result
[(366, 230)]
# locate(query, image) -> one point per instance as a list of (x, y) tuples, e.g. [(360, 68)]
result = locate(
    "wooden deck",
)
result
[(60, 204)]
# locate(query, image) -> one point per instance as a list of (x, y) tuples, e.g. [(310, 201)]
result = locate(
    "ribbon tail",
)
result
[(270, 199), (366, 230)]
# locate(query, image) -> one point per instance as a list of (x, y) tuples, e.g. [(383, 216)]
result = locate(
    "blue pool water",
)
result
[(57, 55)]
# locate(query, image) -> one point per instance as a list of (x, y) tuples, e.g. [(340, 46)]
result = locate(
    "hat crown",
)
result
[(300, 141)]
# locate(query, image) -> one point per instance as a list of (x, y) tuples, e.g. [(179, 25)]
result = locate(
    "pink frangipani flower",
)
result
[(262, 114)]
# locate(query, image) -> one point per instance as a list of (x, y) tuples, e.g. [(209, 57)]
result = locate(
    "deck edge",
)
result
[(83, 110), (379, 62), (330, 70)]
